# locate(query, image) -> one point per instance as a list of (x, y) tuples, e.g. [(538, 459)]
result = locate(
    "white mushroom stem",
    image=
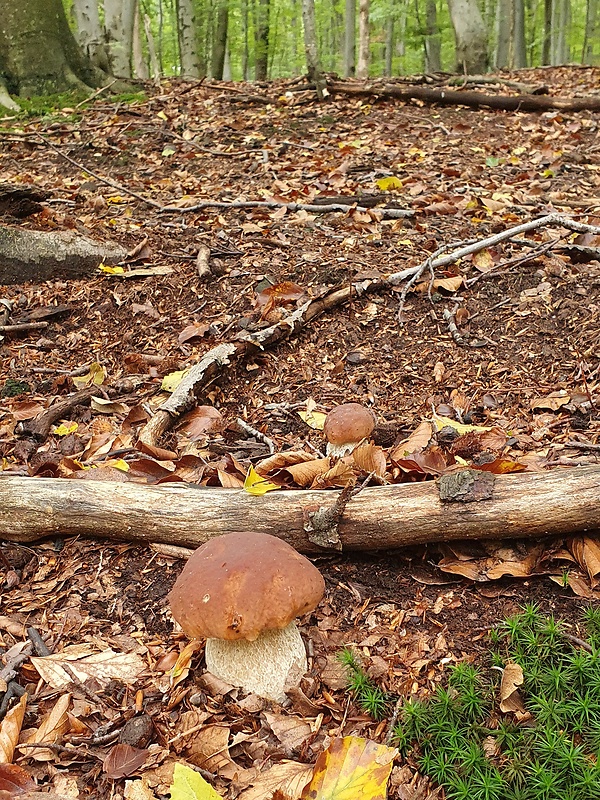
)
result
[(267, 666), (344, 449)]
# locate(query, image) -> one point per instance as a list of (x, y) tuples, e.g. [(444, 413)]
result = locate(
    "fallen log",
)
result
[(473, 99), (559, 502)]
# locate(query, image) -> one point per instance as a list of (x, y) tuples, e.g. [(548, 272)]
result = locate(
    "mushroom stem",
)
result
[(266, 666)]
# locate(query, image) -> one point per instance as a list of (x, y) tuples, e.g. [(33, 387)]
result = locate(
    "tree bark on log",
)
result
[(451, 97), (559, 502)]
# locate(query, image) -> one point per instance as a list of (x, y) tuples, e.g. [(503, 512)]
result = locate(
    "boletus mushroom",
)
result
[(346, 426), (242, 592)]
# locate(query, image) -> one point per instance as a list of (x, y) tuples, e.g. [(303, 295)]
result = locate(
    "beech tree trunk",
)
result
[(261, 41), (364, 40), (313, 64), (559, 502), (38, 52), (470, 35), (89, 32), (433, 40), (118, 23), (187, 35), (220, 40), (591, 42), (140, 65), (350, 39)]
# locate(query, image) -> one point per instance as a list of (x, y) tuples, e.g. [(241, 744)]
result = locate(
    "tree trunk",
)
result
[(118, 24), (245, 42), (511, 47), (559, 502), (388, 58), (313, 65), (364, 40), (519, 44), (547, 41), (503, 31), (470, 35), (38, 52), (187, 38), (140, 65), (89, 32), (591, 42), (154, 60), (261, 41), (350, 39), (220, 40), (433, 41), (561, 23)]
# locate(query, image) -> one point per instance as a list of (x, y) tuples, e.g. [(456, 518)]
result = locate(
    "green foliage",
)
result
[(14, 388), (368, 695), (460, 738)]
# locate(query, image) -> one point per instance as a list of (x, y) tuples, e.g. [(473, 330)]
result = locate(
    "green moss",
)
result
[(460, 738)]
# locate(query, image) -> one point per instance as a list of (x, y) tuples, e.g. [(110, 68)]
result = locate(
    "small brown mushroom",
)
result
[(346, 426), (243, 591)]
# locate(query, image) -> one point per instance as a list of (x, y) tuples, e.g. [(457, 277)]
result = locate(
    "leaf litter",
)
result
[(522, 401)]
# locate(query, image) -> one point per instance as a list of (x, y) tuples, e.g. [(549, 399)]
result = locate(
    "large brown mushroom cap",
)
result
[(346, 425), (238, 585)]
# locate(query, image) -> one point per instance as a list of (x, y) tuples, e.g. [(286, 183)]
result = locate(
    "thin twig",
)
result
[(255, 434)]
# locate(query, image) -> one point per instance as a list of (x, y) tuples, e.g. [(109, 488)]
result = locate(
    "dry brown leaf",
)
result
[(369, 458), (14, 780), (283, 461), (229, 481), (417, 441), (123, 760), (11, 729), (52, 727), (553, 401), (289, 729), (287, 777), (138, 790), (339, 475), (438, 372), (194, 331), (512, 678), (104, 666), (202, 420), (586, 551), (209, 749), (305, 474)]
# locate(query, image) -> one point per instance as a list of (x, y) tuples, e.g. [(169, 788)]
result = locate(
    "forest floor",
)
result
[(465, 174)]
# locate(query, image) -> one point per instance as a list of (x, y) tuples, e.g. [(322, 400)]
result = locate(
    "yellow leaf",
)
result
[(95, 375), (349, 769), (255, 484), (162, 115), (389, 183), (443, 422), (172, 380), (111, 270), (190, 785), (65, 430), (314, 419), (119, 463)]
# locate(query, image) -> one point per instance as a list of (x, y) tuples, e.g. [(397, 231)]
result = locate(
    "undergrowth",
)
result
[(460, 738)]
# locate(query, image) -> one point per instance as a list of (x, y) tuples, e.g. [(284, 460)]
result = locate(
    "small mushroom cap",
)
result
[(238, 585), (348, 423)]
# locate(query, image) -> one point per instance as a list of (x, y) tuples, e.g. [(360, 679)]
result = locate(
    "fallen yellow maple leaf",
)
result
[(351, 768)]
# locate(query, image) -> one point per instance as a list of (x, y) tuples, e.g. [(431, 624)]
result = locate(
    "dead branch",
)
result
[(39, 427), (451, 97), (212, 363), (311, 208), (558, 502)]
